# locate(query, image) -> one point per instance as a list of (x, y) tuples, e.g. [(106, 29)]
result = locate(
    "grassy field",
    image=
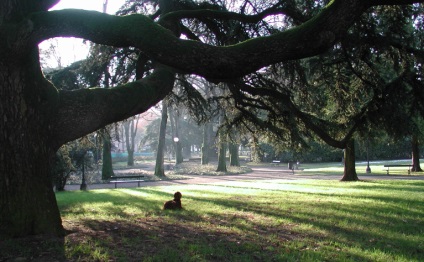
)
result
[(377, 168), (266, 221), (304, 220)]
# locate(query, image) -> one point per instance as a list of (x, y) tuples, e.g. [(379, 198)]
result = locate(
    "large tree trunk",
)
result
[(349, 162), (27, 201), (36, 119), (415, 155)]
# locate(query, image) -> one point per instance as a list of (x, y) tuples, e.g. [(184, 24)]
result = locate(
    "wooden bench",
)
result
[(389, 166), (121, 179)]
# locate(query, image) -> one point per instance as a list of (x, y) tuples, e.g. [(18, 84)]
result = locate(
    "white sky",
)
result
[(69, 50)]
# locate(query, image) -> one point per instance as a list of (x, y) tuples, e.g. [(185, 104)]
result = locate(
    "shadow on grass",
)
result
[(389, 225), (333, 222), (33, 248)]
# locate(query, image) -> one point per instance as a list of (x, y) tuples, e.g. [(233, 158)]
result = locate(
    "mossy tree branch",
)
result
[(86, 110), (308, 39)]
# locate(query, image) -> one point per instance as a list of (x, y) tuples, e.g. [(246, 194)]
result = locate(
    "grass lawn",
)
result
[(304, 220), (377, 168)]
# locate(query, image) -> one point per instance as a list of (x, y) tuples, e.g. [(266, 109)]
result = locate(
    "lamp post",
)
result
[(368, 170), (178, 158)]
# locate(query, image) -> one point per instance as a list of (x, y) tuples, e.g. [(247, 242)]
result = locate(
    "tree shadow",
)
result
[(33, 248)]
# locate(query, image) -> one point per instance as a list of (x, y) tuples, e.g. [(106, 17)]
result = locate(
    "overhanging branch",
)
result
[(86, 110), (308, 39)]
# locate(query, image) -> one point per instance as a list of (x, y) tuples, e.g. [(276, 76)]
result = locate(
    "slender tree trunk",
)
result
[(159, 168), (415, 155), (130, 160), (349, 162), (222, 153), (107, 167), (130, 152), (179, 149), (205, 145), (130, 128)]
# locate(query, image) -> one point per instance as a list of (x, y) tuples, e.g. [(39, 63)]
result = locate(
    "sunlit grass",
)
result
[(301, 220)]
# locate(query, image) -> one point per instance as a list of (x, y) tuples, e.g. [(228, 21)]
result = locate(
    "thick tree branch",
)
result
[(311, 38), (308, 39), (83, 111)]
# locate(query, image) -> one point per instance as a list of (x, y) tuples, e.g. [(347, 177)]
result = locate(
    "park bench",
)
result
[(389, 166), (123, 179), (276, 162)]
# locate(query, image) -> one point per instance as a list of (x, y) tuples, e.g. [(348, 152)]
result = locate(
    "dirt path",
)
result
[(258, 173)]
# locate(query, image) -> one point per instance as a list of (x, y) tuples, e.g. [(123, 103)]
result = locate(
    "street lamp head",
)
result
[(176, 139)]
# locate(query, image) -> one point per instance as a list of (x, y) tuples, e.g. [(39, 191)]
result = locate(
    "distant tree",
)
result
[(176, 137), (131, 127), (205, 144), (160, 152), (222, 146), (233, 148), (107, 166), (222, 153), (415, 155)]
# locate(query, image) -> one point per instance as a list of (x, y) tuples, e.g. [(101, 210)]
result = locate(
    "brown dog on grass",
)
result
[(175, 203)]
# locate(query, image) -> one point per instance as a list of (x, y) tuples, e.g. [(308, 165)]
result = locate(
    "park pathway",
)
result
[(257, 174)]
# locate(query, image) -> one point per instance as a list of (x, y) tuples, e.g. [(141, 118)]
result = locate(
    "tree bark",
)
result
[(159, 167), (107, 166), (27, 201), (222, 153), (349, 162), (415, 155), (234, 154)]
